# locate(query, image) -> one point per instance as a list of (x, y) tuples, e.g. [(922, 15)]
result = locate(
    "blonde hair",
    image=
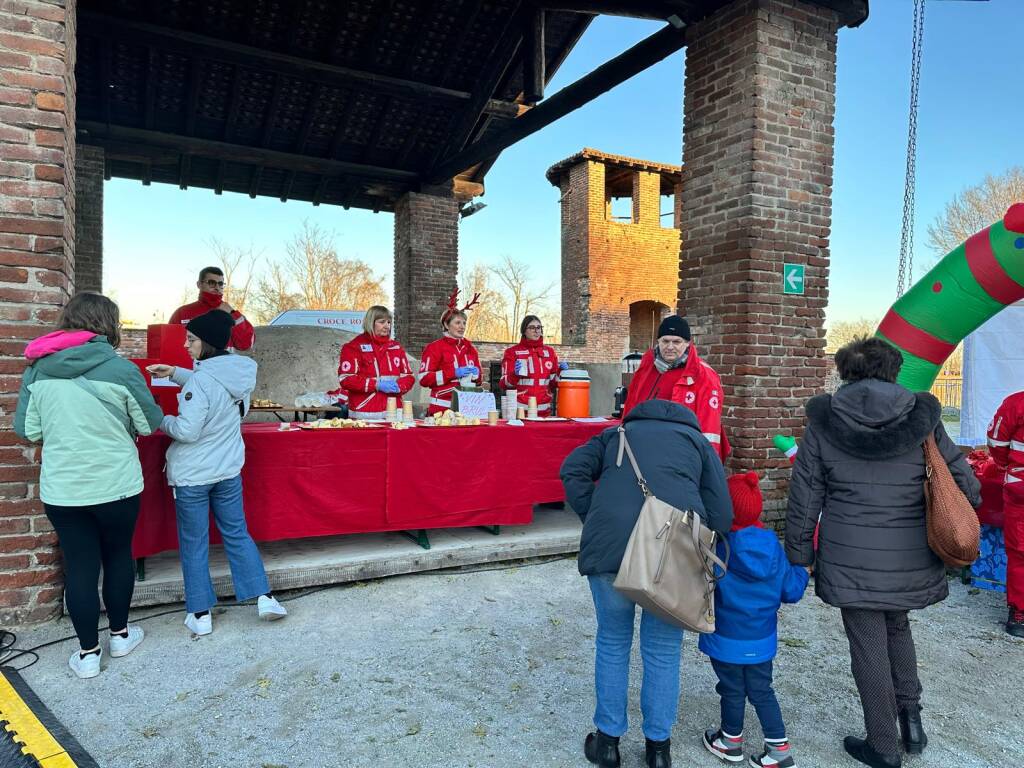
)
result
[(373, 314), (90, 311)]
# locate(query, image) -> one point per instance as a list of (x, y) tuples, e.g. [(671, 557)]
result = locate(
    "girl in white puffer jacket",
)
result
[(204, 467)]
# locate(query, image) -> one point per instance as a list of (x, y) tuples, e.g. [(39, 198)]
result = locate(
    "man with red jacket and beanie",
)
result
[(672, 370), (1006, 446), (211, 297)]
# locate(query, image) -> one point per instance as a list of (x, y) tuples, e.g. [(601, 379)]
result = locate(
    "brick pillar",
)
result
[(89, 162), (584, 208), (758, 113), (426, 264), (647, 198), (37, 236)]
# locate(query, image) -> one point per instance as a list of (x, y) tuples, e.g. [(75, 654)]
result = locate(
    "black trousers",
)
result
[(884, 664), (91, 536)]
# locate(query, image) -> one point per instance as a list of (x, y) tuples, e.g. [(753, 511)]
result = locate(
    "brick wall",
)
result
[(608, 265), (133, 343), (758, 112), (426, 264), (37, 237), (89, 163)]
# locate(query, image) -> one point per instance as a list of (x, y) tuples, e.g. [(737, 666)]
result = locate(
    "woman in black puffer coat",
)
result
[(861, 469)]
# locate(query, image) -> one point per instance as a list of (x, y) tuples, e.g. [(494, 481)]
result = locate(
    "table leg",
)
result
[(140, 569), (420, 537), (965, 575), (494, 530)]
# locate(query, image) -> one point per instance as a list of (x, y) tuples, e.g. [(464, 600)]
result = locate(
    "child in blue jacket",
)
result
[(745, 640)]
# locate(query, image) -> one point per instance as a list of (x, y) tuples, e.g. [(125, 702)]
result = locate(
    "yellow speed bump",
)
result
[(18, 719)]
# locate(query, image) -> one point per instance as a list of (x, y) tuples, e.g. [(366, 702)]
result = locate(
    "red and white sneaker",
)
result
[(727, 748), (777, 754)]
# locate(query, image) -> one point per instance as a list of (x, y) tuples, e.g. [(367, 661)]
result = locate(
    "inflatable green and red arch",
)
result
[(970, 285)]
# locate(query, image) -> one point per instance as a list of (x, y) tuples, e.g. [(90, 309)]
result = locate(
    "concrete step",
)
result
[(301, 563)]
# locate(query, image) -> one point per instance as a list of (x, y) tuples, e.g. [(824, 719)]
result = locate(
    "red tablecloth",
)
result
[(306, 483)]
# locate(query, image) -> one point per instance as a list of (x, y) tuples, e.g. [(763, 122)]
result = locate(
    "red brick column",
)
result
[(89, 165), (758, 113), (426, 264), (37, 235)]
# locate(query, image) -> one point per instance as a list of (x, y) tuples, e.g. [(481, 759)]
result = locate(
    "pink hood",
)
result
[(55, 342)]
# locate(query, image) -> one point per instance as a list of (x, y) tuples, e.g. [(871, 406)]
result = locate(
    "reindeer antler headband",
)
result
[(453, 306)]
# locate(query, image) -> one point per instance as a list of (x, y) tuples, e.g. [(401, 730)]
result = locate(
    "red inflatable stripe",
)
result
[(990, 273), (915, 340), (1014, 218)]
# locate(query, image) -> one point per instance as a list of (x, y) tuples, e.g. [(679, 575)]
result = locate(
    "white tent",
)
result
[(993, 368)]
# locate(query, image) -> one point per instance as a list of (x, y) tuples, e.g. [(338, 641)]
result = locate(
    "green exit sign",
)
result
[(793, 278)]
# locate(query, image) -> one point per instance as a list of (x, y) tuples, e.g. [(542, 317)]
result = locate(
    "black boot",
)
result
[(1015, 622), (658, 754), (914, 737), (859, 750), (602, 749)]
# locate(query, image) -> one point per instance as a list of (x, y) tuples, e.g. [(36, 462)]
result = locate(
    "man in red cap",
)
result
[(672, 370), (211, 297)]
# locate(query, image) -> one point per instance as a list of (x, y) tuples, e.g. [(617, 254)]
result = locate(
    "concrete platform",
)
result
[(300, 563)]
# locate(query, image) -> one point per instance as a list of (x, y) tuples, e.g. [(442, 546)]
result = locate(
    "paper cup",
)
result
[(492, 418)]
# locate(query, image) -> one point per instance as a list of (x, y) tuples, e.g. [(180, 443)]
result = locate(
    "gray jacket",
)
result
[(861, 468), (207, 431)]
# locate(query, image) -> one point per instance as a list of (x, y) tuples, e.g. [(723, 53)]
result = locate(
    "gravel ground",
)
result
[(492, 669)]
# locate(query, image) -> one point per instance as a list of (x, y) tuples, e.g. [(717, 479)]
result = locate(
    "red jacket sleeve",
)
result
[(175, 316), (1000, 432), (475, 358), (406, 378), (243, 334), (553, 378), (709, 413), (429, 367), (509, 380), (350, 374)]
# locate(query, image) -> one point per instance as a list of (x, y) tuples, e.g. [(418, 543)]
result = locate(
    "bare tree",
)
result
[(843, 332), (974, 209), (522, 298), (239, 265), (486, 319), (507, 294), (313, 276)]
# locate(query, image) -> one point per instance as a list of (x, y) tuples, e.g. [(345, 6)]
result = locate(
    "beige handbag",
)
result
[(670, 563)]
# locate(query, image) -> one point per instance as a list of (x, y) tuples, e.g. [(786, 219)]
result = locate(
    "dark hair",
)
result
[(526, 321), (90, 311), (208, 350), (210, 271), (869, 358)]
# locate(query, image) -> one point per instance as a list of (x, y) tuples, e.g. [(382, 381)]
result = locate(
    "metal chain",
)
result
[(905, 275)]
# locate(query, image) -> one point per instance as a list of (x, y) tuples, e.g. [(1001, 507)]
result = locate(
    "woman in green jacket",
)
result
[(85, 404)]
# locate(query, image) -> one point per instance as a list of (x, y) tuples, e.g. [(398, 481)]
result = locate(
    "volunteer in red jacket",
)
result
[(672, 370), (450, 359), (531, 367), (373, 367), (211, 296), (1006, 446)]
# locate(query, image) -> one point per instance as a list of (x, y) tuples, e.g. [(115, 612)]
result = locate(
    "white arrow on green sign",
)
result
[(793, 278)]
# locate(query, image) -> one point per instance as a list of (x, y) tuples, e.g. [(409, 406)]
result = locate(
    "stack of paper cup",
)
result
[(392, 414), (531, 408), (407, 411)]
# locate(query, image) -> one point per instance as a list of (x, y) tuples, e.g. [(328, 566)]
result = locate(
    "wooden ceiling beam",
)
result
[(534, 66), (184, 168), (639, 9), (644, 54), (109, 28), (121, 138)]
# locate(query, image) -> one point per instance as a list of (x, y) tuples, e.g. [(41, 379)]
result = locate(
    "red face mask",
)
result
[(212, 300)]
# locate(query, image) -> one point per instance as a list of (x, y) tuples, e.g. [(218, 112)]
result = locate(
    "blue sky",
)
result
[(970, 119)]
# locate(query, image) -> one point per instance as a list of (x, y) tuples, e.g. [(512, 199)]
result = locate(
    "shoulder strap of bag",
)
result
[(624, 446), (123, 418)]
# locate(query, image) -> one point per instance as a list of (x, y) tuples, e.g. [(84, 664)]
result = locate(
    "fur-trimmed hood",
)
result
[(874, 419)]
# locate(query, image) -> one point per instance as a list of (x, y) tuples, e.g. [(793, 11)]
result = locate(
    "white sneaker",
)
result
[(201, 625), (87, 667), (270, 609), (122, 646)]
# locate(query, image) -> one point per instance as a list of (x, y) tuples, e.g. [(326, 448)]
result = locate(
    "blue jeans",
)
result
[(739, 682), (193, 504), (660, 644)]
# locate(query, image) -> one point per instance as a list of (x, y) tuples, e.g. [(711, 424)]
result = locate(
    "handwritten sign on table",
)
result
[(473, 403)]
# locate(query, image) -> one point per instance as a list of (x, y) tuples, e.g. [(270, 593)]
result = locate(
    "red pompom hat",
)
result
[(747, 503)]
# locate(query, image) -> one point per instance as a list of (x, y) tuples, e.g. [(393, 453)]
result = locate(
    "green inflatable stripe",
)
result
[(1009, 256), (916, 374)]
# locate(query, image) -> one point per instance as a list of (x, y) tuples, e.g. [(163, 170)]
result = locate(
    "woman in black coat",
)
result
[(682, 469), (861, 468)]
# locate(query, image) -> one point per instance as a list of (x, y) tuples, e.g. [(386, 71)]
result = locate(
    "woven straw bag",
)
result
[(954, 533), (669, 567)]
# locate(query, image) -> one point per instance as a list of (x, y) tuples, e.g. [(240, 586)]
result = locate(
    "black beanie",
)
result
[(674, 325), (214, 328)]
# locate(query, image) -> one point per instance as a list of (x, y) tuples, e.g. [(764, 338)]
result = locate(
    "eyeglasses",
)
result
[(214, 283), (535, 327)]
